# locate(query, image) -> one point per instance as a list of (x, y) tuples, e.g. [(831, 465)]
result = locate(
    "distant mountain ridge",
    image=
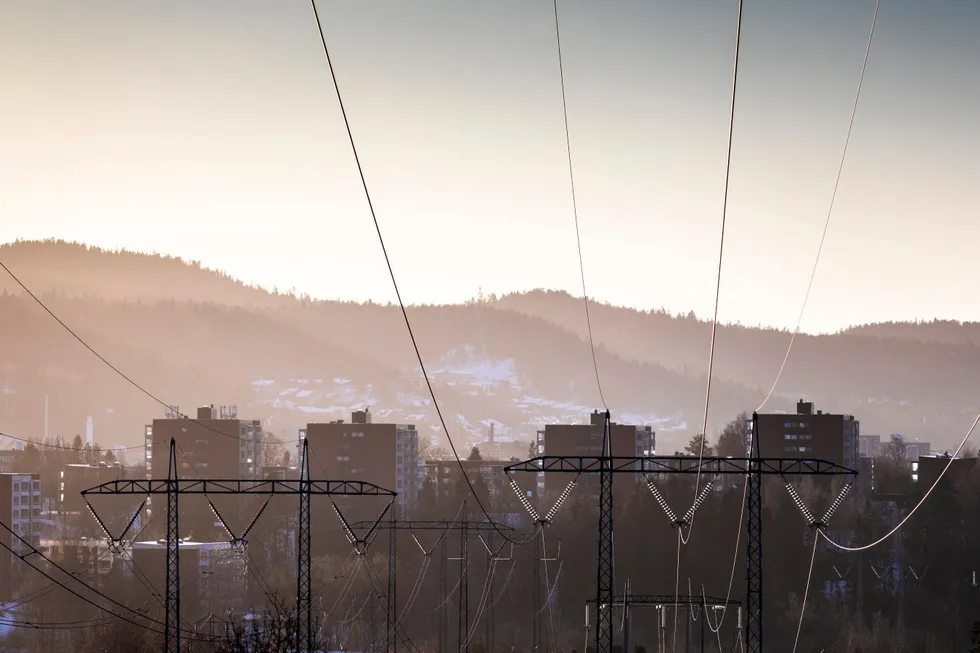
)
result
[(196, 335)]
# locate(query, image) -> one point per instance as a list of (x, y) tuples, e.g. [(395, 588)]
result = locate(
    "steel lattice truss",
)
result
[(678, 465), (668, 599), (173, 487), (753, 468), (224, 486)]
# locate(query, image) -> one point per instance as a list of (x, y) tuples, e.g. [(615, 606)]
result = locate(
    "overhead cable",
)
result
[(394, 281)]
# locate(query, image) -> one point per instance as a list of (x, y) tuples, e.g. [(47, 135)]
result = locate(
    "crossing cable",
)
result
[(681, 539), (721, 256), (806, 591), (394, 282), (578, 237), (35, 552), (108, 364), (128, 620), (917, 506), (830, 210), (857, 96), (50, 587)]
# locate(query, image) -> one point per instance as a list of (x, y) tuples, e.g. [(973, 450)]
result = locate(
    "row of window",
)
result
[(794, 436), (796, 425)]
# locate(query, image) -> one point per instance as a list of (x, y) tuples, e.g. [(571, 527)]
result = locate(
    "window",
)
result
[(789, 436)]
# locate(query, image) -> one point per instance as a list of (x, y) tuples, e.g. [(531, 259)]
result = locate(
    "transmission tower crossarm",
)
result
[(239, 486), (753, 468), (678, 465)]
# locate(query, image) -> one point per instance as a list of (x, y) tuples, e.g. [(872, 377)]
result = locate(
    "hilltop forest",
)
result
[(190, 335)]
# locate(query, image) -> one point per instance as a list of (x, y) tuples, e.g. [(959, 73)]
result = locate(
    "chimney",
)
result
[(360, 417), (804, 407)]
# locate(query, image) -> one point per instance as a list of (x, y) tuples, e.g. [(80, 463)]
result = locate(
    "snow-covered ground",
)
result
[(501, 396)]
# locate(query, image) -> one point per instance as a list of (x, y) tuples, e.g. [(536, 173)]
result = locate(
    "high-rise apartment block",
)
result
[(20, 509), (586, 440), (383, 454), (215, 445), (810, 435)]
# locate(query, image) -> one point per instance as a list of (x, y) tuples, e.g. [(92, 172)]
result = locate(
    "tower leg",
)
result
[(488, 621), (604, 571), (753, 567), (171, 631), (304, 586), (443, 598), (464, 586), (536, 594), (391, 640)]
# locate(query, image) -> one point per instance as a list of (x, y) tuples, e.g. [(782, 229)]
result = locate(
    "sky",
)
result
[(211, 131)]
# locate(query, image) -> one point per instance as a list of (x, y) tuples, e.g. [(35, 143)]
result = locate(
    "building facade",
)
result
[(384, 454), (586, 440), (215, 445), (810, 435), (20, 509)]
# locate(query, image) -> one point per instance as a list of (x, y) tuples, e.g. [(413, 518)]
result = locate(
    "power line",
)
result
[(721, 256), (917, 506), (63, 447), (73, 592), (830, 209), (106, 361), (847, 138), (394, 282), (578, 237), (806, 590)]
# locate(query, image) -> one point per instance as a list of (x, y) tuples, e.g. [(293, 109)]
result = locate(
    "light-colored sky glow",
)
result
[(210, 131)]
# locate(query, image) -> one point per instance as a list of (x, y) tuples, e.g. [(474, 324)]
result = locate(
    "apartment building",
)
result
[(586, 440), (213, 576), (361, 450), (215, 445), (20, 508), (810, 435)]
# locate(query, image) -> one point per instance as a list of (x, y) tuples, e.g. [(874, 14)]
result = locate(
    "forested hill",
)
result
[(191, 335)]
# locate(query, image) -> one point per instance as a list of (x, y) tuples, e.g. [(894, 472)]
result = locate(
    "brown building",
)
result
[(20, 509), (212, 577), (215, 445), (810, 435), (927, 469), (72, 479), (11, 460), (586, 440), (383, 454), (501, 501)]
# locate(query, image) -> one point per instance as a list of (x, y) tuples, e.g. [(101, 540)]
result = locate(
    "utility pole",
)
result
[(171, 628), (466, 528), (488, 621), (660, 603), (391, 642), (463, 613), (536, 607), (753, 545), (304, 579), (604, 566), (443, 598), (173, 487)]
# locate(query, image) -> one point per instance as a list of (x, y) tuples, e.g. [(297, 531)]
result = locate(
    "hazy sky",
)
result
[(210, 130)]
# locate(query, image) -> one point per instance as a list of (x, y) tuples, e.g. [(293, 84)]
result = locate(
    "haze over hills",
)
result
[(191, 335)]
